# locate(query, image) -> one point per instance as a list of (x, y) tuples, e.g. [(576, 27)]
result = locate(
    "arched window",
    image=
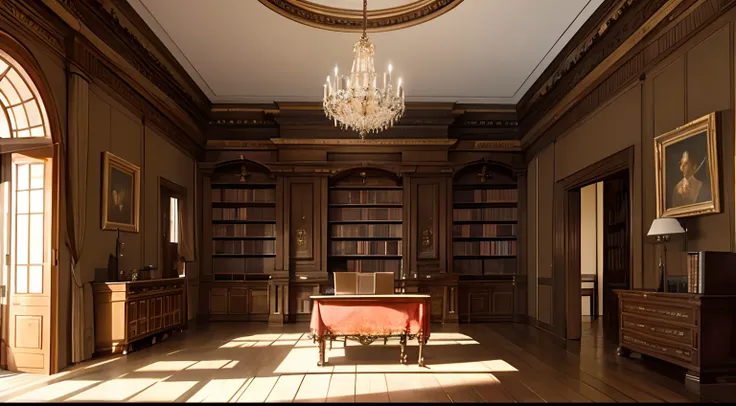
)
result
[(23, 114)]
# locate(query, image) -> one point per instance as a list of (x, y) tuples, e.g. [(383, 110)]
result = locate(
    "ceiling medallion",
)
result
[(348, 20), (355, 102)]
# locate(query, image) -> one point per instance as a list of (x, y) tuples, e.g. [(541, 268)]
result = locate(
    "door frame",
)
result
[(566, 276), (180, 193), (33, 69)]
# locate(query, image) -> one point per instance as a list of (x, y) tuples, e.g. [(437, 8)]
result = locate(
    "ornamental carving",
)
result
[(348, 20)]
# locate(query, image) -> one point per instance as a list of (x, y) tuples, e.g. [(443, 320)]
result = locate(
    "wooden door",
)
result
[(30, 289), (616, 248)]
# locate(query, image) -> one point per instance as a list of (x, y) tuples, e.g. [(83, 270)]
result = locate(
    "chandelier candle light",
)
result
[(354, 101)]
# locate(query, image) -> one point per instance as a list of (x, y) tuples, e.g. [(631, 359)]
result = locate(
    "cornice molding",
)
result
[(348, 20), (500, 145), (391, 142), (240, 145)]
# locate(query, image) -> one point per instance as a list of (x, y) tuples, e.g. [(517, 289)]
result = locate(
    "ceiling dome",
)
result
[(383, 15)]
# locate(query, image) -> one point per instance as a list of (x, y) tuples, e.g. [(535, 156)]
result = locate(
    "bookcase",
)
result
[(484, 240), (243, 241), (366, 222)]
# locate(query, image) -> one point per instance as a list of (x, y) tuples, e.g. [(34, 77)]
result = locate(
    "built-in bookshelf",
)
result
[(485, 224), (365, 224), (243, 230)]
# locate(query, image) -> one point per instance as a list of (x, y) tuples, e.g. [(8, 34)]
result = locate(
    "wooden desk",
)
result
[(370, 317), (126, 312), (694, 331)]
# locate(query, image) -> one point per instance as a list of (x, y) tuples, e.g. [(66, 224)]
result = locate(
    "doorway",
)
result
[(615, 266), (172, 198)]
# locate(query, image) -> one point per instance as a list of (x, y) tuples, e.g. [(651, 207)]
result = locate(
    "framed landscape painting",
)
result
[(686, 166), (121, 184)]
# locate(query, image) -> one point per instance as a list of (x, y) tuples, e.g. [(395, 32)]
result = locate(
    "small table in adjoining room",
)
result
[(366, 318)]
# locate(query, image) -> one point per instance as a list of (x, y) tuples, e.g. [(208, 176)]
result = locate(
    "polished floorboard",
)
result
[(494, 362)]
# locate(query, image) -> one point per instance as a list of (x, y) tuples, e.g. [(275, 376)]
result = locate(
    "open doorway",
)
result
[(172, 198), (604, 252)]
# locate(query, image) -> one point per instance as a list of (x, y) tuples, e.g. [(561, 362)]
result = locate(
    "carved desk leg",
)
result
[(421, 346), (321, 361), (402, 342)]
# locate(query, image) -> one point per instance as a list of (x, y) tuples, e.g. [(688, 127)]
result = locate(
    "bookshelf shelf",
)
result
[(243, 225), (366, 222), (484, 222)]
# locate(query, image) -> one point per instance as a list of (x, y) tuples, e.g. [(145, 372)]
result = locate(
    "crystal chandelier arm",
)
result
[(365, 18)]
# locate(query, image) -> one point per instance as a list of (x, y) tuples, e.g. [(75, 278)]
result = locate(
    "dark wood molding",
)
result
[(680, 25)]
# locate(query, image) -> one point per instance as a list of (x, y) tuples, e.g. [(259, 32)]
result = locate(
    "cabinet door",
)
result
[(178, 301), (143, 326), (238, 301), (218, 300), (502, 299), (428, 207), (132, 319), (259, 301)]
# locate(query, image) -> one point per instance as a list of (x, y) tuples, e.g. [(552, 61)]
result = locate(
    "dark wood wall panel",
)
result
[(546, 181), (304, 200), (531, 238), (428, 199)]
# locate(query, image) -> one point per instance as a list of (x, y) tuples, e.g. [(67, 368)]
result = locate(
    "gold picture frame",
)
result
[(686, 168), (121, 191)]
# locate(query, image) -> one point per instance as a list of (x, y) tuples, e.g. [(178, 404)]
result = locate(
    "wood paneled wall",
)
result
[(695, 80)]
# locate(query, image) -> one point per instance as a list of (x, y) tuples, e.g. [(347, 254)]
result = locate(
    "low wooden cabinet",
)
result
[(129, 311), (690, 330), (237, 301), (486, 299)]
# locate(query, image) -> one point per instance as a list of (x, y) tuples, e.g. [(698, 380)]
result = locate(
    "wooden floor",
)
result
[(252, 362)]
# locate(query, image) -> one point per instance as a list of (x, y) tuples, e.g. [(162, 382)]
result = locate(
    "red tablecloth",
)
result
[(366, 315)]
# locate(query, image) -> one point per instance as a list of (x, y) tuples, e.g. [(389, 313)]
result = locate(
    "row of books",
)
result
[(244, 195), (365, 196), (366, 248), (350, 214), (484, 248), (244, 247), (485, 196), (244, 230), (693, 272), (484, 230), (243, 265), (616, 245), (499, 266), (366, 230), (485, 213), (244, 213)]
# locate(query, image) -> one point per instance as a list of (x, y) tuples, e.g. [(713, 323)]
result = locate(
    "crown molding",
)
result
[(349, 20)]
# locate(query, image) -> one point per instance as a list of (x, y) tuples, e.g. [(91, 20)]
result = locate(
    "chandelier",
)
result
[(355, 102)]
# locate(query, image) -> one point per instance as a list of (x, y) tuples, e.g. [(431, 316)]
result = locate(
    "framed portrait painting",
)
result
[(686, 169), (121, 185)]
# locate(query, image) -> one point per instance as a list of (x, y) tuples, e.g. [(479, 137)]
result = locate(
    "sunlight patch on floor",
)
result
[(209, 364), (114, 390), (164, 391), (219, 390), (165, 366), (54, 391)]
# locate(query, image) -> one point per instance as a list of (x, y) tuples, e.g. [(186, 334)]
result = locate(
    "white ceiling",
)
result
[(482, 51)]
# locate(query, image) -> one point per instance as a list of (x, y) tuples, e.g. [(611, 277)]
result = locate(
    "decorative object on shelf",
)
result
[(687, 169), (244, 175), (483, 175), (362, 177), (121, 183), (426, 238), (663, 228), (301, 235), (356, 102)]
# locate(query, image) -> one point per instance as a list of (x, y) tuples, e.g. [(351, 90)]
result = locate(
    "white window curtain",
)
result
[(186, 240)]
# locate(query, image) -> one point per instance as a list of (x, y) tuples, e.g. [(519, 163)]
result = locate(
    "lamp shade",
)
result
[(665, 226)]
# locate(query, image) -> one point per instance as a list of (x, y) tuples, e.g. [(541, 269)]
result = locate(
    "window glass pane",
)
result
[(35, 279), (34, 116), (23, 134), (3, 100), (174, 220), (22, 177), (3, 66), (37, 176), (37, 132), (36, 239), (20, 85), (22, 202), (37, 201), (4, 125), (21, 240), (21, 279), (9, 91), (11, 117), (21, 120)]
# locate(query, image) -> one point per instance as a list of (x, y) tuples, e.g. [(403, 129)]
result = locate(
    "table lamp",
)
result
[(663, 228)]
